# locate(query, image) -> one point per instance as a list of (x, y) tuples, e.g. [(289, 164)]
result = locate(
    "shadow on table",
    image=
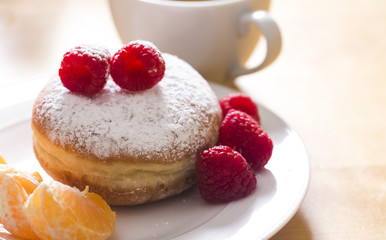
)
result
[(297, 228)]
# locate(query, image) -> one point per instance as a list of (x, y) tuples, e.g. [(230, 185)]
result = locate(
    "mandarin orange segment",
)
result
[(14, 192), (83, 215), (2, 161)]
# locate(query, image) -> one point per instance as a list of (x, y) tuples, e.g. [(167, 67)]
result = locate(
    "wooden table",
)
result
[(329, 84)]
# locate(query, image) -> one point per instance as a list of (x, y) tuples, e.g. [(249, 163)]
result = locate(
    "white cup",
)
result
[(215, 36)]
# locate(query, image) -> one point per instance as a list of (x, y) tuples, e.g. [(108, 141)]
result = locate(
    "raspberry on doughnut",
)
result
[(85, 69), (137, 66)]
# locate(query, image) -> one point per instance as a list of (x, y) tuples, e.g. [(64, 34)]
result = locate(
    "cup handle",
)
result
[(271, 33)]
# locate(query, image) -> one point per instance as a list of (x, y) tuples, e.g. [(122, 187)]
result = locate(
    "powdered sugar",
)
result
[(172, 117)]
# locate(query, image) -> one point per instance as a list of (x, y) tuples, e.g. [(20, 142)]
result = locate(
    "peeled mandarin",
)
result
[(83, 215), (2, 161), (15, 188)]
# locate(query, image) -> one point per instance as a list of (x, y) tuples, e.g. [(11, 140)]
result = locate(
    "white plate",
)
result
[(281, 188)]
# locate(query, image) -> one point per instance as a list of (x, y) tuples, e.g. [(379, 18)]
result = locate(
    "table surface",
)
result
[(329, 85)]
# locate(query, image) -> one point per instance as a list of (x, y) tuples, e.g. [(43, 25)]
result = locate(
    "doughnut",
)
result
[(129, 147)]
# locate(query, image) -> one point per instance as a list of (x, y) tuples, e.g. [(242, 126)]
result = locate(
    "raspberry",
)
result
[(239, 102), (85, 69), (137, 66), (223, 175), (242, 133)]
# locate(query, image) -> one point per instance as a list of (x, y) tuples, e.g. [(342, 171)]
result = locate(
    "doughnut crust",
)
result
[(129, 147)]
